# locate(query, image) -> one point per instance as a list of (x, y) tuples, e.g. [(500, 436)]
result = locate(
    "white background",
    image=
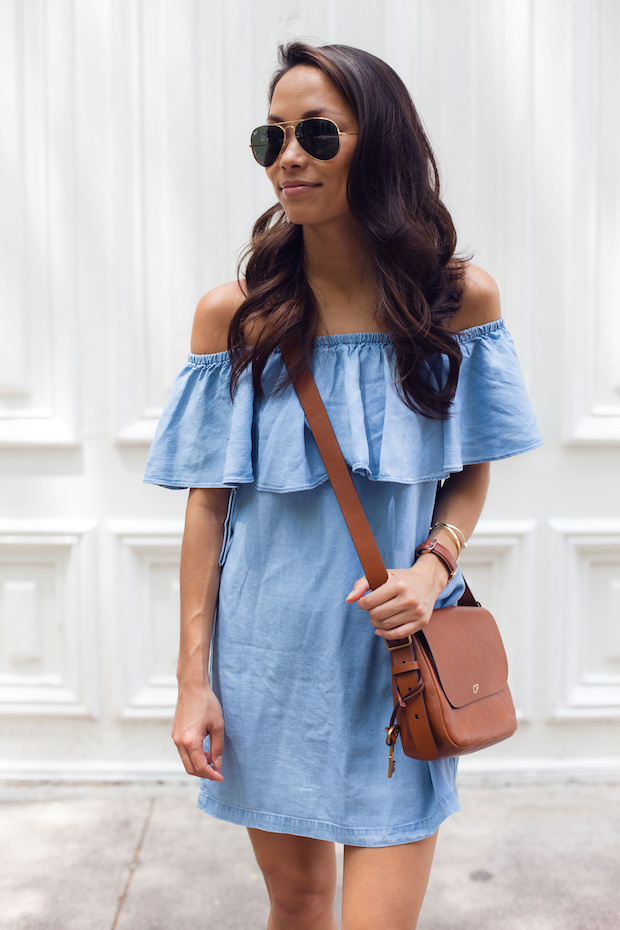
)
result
[(126, 191)]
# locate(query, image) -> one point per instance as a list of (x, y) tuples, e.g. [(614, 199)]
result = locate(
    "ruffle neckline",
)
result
[(205, 440), (356, 339)]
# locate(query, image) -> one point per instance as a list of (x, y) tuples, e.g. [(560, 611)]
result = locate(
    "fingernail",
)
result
[(218, 763)]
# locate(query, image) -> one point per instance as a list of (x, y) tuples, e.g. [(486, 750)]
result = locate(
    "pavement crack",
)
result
[(134, 863)]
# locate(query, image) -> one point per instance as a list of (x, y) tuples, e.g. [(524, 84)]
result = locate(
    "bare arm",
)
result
[(460, 502), (405, 602), (198, 711)]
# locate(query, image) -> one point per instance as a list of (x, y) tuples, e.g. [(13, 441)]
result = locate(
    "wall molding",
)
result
[(147, 555), (38, 356), (498, 560), (593, 373), (587, 679), (47, 618), (177, 229), (473, 770)]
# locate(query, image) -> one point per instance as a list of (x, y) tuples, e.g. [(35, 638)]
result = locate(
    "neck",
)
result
[(338, 265)]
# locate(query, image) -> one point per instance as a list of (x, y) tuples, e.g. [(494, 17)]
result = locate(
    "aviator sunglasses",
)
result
[(319, 137)]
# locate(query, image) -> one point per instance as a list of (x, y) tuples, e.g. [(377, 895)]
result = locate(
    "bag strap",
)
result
[(339, 474), (337, 468), (405, 668)]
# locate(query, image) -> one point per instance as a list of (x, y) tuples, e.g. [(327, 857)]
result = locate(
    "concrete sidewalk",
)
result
[(141, 857)]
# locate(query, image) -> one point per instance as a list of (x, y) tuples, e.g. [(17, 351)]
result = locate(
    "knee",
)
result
[(299, 907), (300, 903)]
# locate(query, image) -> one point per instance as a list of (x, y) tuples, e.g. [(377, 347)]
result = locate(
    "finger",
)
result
[(357, 590), (177, 739), (196, 761), (185, 759), (216, 739), (395, 619), (212, 774), (187, 762), (402, 631), (203, 764), (381, 595), (397, 611)]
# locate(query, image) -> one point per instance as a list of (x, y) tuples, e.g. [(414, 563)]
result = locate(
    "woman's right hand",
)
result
[(199, 714)]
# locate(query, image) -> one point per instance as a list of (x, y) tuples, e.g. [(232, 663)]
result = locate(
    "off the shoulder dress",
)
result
[(304, 683)]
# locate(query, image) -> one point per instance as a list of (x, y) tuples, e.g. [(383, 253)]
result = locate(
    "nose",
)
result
[(292, 153)]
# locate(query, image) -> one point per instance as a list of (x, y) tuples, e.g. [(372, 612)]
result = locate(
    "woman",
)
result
[(357, 261)]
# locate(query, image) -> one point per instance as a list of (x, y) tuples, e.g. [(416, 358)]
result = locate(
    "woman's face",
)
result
[(312, 192)]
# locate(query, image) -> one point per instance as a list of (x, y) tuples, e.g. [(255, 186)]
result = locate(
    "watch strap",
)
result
[(431, 545)]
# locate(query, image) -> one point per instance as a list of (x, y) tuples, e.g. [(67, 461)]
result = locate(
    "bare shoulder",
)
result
[(480, 303), (212, 318)]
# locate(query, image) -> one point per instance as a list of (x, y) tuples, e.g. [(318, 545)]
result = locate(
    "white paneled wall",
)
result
[(127, 191), (48, 663), (593, 384), (38, 386), (147, 569), (588, 683)]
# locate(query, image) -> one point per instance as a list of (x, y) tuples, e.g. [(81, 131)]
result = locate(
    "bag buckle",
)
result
[(392, 736), (398, 643)]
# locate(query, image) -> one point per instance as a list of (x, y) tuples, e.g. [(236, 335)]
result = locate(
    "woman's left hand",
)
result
[(404, 603)]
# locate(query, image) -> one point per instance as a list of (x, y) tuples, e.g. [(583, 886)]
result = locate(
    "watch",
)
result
[(431, 545)]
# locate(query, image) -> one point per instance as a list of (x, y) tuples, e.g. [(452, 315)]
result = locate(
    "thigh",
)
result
[(385, 886), (295, 863)]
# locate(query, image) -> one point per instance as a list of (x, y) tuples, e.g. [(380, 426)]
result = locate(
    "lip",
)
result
[(294, 188)]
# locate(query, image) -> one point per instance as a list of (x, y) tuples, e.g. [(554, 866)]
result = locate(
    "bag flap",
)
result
[(466, 648)]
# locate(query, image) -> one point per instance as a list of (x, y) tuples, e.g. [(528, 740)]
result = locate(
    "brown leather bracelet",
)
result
[(431, 545)]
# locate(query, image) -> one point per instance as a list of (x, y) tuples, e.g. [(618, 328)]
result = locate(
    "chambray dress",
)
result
[(304, 683)]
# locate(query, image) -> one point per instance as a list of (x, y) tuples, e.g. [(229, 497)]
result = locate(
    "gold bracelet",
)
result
[(457, 535)]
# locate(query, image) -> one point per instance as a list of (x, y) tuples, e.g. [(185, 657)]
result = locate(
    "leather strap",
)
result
[(431, 545), (337, 469), (405, 669), (410, 693), (340, 476)]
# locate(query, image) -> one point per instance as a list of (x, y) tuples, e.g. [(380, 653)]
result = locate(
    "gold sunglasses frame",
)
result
[(293, 124)]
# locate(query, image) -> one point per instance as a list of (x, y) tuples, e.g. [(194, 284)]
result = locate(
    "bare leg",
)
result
[(385, 886), (300, 875)]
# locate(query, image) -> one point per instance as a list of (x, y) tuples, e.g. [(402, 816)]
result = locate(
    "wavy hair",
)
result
[(393, 193)]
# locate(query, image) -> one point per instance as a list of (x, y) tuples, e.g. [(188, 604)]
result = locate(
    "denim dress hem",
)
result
[(394, 835)]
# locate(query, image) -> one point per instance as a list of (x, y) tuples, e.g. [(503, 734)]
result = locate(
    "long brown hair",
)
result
[(393, 192)]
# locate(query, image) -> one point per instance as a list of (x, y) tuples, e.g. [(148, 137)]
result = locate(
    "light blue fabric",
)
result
[(204, 440), (305, 684)]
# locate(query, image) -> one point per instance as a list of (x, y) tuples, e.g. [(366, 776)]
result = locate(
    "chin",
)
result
[(298, 217)]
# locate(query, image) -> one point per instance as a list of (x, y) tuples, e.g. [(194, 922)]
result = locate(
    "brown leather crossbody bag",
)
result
[(449, 680)]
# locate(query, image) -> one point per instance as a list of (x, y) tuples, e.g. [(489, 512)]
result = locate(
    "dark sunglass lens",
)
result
[(266, 143), (319, 137)]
